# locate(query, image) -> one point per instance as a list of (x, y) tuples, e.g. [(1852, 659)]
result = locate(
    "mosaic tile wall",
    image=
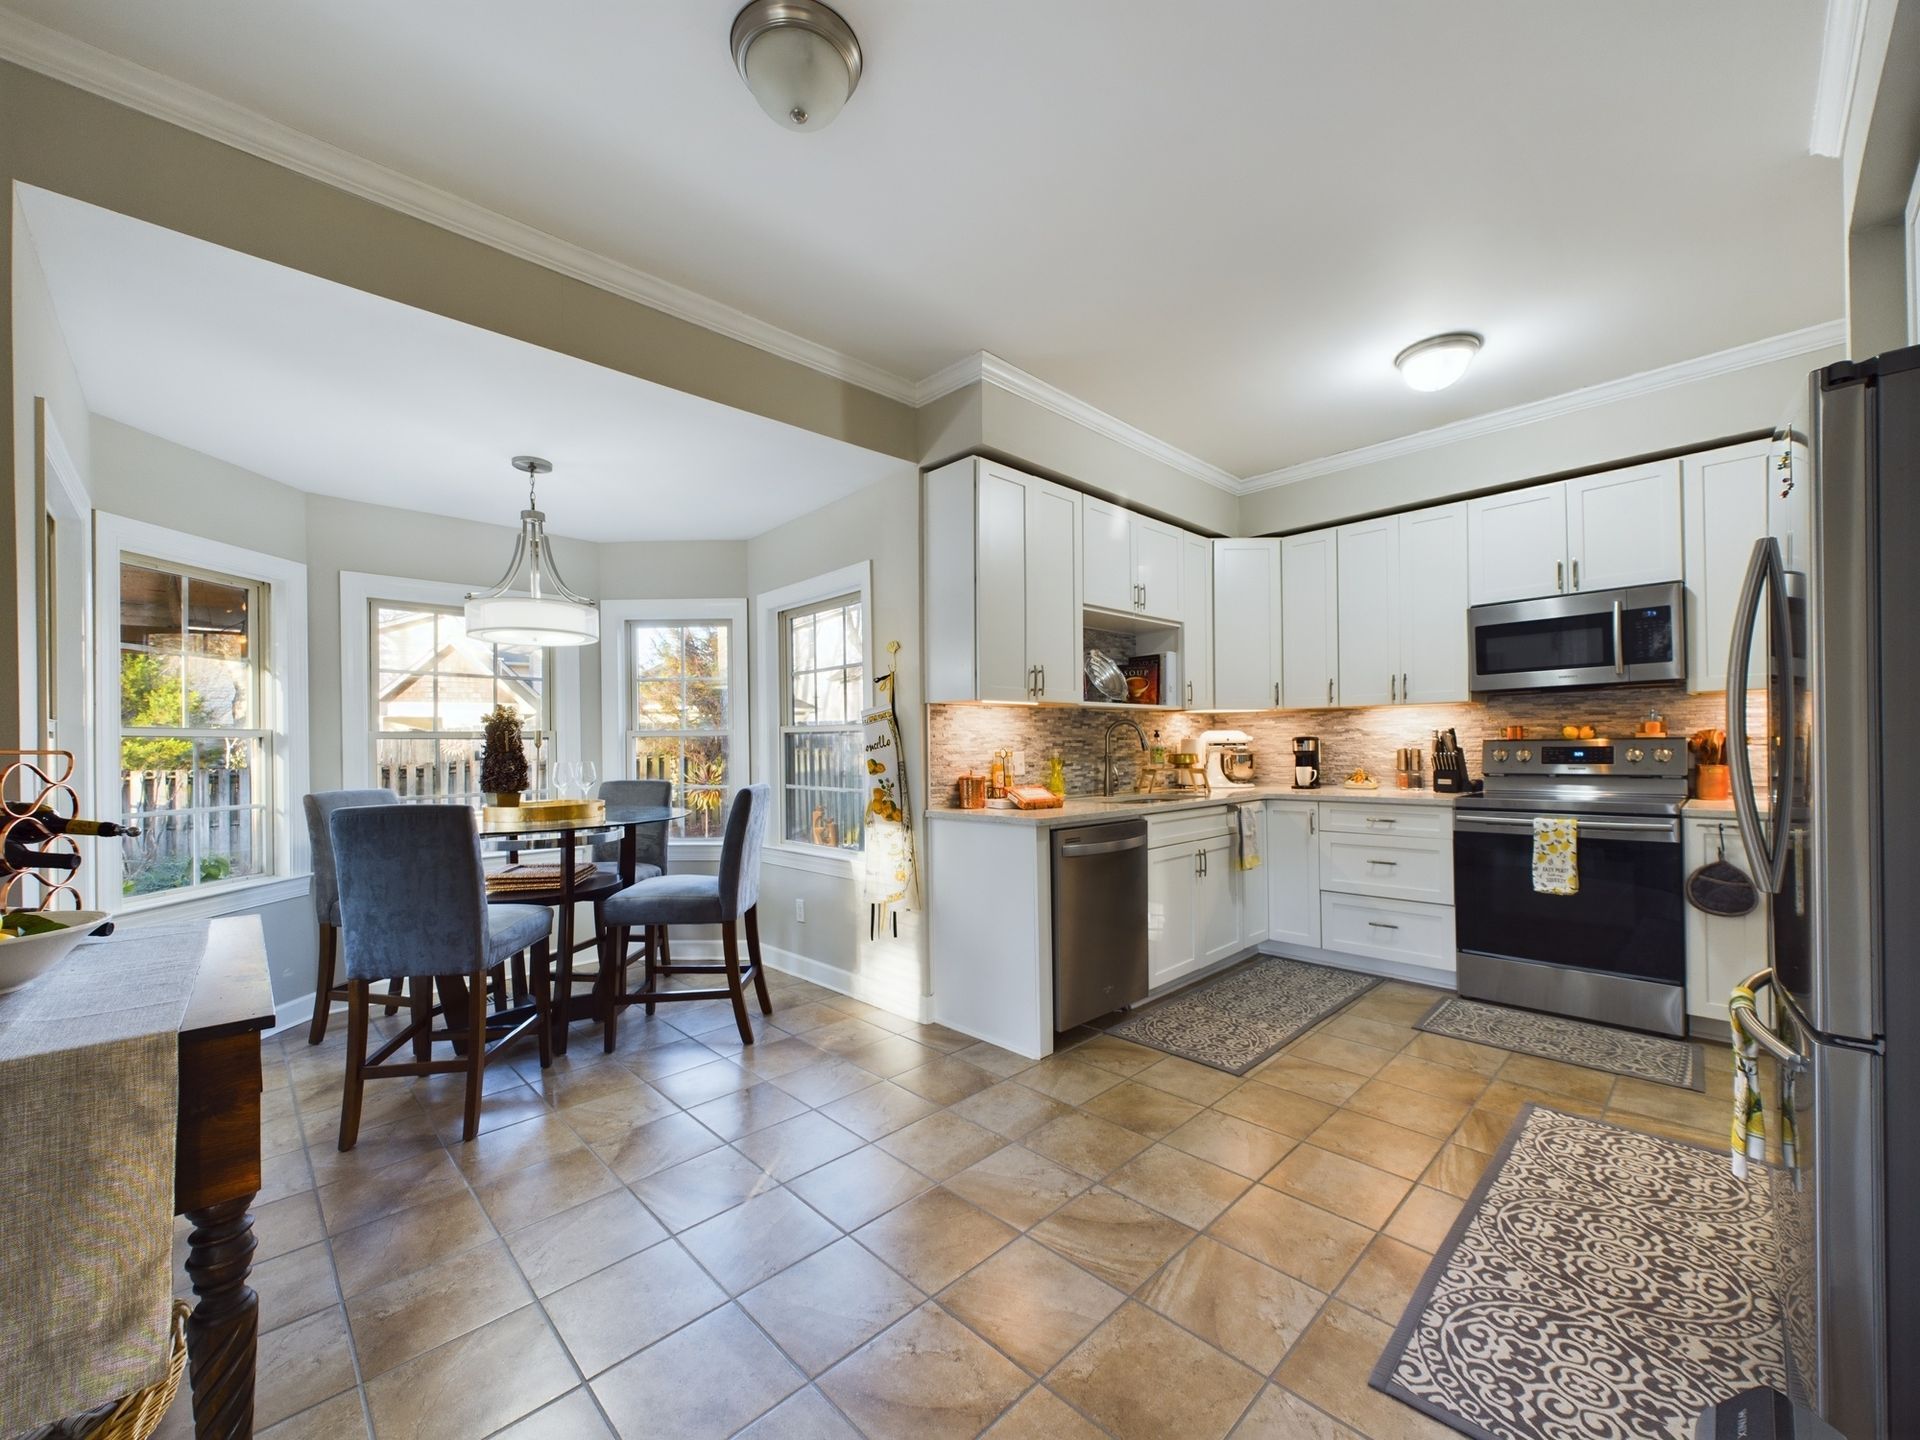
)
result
[(964, 737)]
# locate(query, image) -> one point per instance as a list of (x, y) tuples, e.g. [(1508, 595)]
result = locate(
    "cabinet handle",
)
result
[(1576, 574), (1390, 864), (1559, 576), (1329, 690), (1033, 682), (1189, 692), (1406, 691), (1198, 857), (1276, 694), (1393, 689), (1311, 827), (1381, 925), (1380, 820)]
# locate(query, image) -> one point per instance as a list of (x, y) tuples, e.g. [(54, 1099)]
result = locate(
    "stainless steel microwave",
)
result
[(1598, 637)]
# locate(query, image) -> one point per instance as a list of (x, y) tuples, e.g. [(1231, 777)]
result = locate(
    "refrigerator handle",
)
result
[(1763, 570), (1746, 1023)]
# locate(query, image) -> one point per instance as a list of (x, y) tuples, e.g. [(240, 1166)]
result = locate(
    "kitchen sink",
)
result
[(1157, 799)]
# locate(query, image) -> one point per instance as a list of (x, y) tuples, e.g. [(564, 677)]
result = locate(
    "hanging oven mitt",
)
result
[(1556, 855), (1749, 1134)]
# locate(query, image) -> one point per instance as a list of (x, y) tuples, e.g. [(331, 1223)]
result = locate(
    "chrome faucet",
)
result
[(1106, 767)]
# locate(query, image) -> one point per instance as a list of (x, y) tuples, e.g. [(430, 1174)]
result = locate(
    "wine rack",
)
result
[(33, 784)]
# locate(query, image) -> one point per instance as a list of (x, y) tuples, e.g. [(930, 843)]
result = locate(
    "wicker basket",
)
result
[(138, 1415)]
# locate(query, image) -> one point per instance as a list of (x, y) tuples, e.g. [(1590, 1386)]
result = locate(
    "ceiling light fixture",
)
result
[(800, 60), (1437, 361), (549, 613)]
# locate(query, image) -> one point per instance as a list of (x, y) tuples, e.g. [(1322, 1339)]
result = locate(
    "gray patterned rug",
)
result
[(1597, 1047), (1238, 1020), (1595, 1286)]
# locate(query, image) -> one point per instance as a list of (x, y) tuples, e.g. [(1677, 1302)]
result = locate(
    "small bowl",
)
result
[(1186, 759), (25, 958)]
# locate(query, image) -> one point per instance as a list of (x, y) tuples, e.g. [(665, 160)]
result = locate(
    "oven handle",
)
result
[(1494, 824)]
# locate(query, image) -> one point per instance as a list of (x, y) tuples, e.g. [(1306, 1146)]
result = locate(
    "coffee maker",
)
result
[(1306, 762)]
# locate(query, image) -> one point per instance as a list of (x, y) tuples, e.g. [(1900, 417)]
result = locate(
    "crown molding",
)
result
[(1841, 40), (53, 53), (1722, 362)]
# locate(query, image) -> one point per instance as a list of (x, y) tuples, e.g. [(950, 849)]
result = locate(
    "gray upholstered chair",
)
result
[(413, 902), (724, 899), (326, 901), (650, 841)]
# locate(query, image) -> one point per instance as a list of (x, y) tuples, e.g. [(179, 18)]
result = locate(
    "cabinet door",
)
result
[(1517, 544), (1216, 909), (1196, 621), (1246, 618), (1721, 951), (1156, 566), (1172, 875), (1053, 591), (1309, 604), (1623, 527), (1367, 611), (1000, 584), (1433, 605), (1724, 495), (1106, 558), (1292, 866)]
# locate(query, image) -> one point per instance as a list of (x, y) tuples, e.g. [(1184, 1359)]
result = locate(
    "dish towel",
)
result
[(1556, 855), (1749, 1135), (1247, 828)]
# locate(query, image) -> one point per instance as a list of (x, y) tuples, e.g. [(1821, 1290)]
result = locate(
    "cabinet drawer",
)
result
[(1388, 929), (1188, 827), (1358, 818), (1399, 867)]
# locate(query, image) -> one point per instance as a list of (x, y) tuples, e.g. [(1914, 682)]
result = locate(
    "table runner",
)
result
[(89, 1107)]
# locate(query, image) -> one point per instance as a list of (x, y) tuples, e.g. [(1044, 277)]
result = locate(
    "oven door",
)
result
[(1627, 920)]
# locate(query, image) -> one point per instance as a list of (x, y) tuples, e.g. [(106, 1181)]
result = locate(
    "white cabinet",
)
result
[(1433, 605), (1721, 951), (1246, 624), (1309, 609), (1292, 866), (1217, 903), (1196, 621), (1725, 494), (1003, 588), (1623, 527), (1517, 544), (1172, 944), (1193, 901), (1130, 563), (1367, 606), (1157, 547)]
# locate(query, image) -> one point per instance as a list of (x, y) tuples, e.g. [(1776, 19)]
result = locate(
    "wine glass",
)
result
[(566, 775), (589, 778)]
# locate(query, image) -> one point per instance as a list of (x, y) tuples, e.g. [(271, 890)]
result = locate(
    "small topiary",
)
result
[(503, 759)]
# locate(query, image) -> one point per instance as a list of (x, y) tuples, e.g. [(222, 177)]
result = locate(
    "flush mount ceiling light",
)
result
[(1437, 361), (549, 613), (800, 60)]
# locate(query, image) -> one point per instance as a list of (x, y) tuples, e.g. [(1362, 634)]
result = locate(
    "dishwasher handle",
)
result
[(1074, 849)]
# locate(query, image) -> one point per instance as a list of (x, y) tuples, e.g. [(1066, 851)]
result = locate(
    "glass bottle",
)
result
[(1057, 774)]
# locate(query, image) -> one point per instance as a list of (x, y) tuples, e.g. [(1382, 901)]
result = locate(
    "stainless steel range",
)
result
[(1614, 952)]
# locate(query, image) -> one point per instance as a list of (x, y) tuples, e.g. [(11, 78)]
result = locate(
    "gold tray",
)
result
[(531, 814)]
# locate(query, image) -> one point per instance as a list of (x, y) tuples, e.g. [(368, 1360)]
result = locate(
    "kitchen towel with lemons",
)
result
[(1556, 855)]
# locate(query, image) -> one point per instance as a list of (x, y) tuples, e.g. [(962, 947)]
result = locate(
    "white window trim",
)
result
[(1913, 260), (358, 590), (616, 681), (767, 607), (283, 705)]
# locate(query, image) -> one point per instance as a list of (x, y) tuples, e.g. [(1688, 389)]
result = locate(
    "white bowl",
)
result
[(25, 957)]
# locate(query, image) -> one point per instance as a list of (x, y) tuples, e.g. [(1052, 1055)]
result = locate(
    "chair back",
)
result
[(320, 807), (413, 900), (745, 837), (649, 841)]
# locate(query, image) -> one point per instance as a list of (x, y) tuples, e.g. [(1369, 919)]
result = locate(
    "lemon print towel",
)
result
[(1556, 855)]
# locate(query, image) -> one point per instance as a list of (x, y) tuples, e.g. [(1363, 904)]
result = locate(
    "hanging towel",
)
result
[(1749, 1134), (1247, 830), (1556, 855)]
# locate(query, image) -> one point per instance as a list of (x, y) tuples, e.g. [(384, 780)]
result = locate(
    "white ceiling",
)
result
[(342, 393), (1216, 221)]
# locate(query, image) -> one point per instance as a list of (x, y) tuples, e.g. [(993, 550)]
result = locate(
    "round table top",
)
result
[(618, 817)]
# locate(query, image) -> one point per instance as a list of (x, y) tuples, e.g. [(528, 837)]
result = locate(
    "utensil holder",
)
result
[(1712, 782)]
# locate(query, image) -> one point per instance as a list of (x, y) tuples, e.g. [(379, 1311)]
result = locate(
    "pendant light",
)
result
[(800, 60), (549, 613)]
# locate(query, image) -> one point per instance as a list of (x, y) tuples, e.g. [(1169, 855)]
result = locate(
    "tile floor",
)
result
[(864, 1226)]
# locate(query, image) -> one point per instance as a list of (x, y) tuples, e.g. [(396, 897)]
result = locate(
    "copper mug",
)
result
[(973, 792)]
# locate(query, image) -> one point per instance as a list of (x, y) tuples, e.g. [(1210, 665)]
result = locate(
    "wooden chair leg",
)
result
[(543, 1002), (753, 955), (520, 991), (356, 1064), (421, 1001), (497, 985), (657, 955), (323, 984), (605, 993), (476, 1055), (730, 947), (396, 995)]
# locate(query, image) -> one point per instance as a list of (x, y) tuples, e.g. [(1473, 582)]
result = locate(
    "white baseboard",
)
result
[(1364, 964), (850, 983)]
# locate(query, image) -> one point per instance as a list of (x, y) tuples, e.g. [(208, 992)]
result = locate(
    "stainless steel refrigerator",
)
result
[(1836, 592)]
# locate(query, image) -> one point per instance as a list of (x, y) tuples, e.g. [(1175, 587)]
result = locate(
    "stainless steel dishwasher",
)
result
[(1099, 920)]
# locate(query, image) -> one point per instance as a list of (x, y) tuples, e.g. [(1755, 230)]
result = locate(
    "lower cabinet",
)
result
[(1173, 942), (1388, 929), (1292, 865), (1194, 896), (1721, 951)]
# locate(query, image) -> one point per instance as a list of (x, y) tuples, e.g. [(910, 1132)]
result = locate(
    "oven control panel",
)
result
[(1656, 757)]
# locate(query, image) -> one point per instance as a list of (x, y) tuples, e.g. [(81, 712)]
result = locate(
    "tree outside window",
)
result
[(823, 690), (679, 716)]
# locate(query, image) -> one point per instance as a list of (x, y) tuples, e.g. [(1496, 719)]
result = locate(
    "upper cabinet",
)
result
[(1002, 585), (1130, 563), (1368, 586), (1246, 624), (1517, 544), (1726, 494), (1596, 532), (1433, 605), (1196, 620), (1309, 610)]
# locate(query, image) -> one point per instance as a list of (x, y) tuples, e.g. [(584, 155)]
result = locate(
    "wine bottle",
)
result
[(54, 823), (18, 857)]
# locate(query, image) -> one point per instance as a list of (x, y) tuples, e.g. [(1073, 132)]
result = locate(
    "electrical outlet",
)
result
[(1019, 762), (800, 911)]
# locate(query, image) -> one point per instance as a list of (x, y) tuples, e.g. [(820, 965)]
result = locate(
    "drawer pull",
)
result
[(1390, 864), (1380, 819), (1382, 925)]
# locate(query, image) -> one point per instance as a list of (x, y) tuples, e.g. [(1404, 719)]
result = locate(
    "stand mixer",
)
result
[(1228, 758)]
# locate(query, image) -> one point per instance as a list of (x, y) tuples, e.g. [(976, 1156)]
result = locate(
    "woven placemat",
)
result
[(536, 877)]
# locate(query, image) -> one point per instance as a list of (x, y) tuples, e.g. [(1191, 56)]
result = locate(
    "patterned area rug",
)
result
[(1597, 1047), (1595, 1286), (1237, 1021)]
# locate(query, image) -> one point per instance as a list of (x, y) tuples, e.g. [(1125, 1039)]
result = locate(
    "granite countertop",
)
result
[(1080, 809)]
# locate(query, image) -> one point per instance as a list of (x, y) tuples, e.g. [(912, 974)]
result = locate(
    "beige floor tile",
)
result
[(607, 1087), (701, 1383), (1123, 1057), (1201, 1084), (1461, 1054), (1030, 1303), (515, 1147), (769, 1058), (521, 1197), (934, 1238), (1232, 1143), (1250, 1310), (741, 1112), (1144, 1378), (1300, 1239), (573, 1416), (1591, 1086), (294, 1286), (1434, 1115), (941, 1145), (878, 1110), (993, 1060), (1142, 1108), (286, 1225), (1374, 1142), (755, 1241), (604, 1123), (673, 1057), (394, 1322), (1483, 1130), (892, 1055), (1329, 1368), (698, 1189), (376, 1148), (796, 1146), (1282, 1415), (1086, 1143), (1507, 1098), (1018, 1186), (624, 1308), (804, 1415), (858, 1187), (648, 1149), (1384, 1279), (1690, 1134), (1431, 1078), (1339, 1184), (563, 1248), (799, 1019), (1175, 1183), (355, 1201), (1690, 1108), (1070, 1081), (1456, 1170), (826, 1081), (1424, 1218), (701, 1083), (1275, 1108), (1117, 1239), (341, 1418), (1350, 1055), (1043, 1415), (848, 1035), (301, 1364), (926, 1378), (409, 1240), (1328, 1084), (944, 1080), (1010, 1109), (1380, 1034), (501, 1109), (829, 1303)]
